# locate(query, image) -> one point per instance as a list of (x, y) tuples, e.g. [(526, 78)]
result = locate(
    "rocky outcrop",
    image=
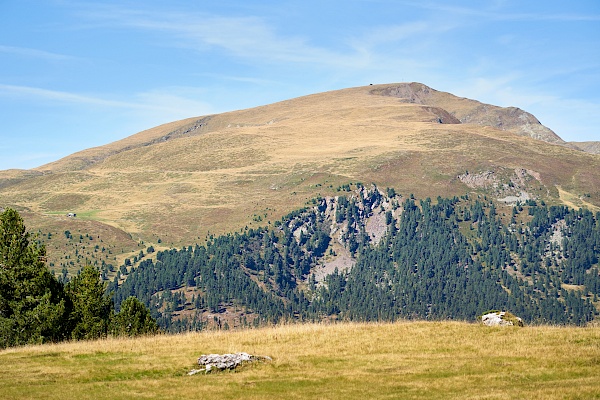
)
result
[(222, 362), (356, 216), (501, 318), (413, 92), (485, 179), (441, 116), (467, 111), (510, 186)]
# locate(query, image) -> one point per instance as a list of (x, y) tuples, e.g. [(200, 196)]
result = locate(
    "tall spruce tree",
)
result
[(92, 310), (33, 308), (133, 319)]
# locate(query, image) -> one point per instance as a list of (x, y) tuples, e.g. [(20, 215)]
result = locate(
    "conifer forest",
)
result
[(448, 258)]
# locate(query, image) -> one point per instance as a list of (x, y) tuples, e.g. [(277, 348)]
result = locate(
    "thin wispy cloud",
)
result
[(496, 12), (396, 33), (39, 93), (243, 79), (34, 53), (171, 103), (250, 38), (164, 100), (402, 47)]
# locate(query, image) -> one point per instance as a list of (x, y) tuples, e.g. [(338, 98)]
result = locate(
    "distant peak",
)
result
[(469, 111)]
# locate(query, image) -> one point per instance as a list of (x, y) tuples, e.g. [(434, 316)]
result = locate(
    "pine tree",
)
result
[(33, 308), (133, 319), (92, 310)]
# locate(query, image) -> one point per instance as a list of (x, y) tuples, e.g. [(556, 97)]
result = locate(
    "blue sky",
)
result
[(80, 74)]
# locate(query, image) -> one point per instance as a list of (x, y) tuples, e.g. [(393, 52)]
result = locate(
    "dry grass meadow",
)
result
[(403, 360)]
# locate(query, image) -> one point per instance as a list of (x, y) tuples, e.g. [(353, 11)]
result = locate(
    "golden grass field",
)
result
[(403, 360), (268, 161)]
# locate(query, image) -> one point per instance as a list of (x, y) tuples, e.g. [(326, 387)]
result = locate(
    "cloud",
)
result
[(65, 97), (569, 118), (173, 103), (398, 33), (407, 49), (495, 90), (245, 37), (103, 120), (403, 49), (508, 91), (34, 53), (16, 157), (155, 106), (495, 12), (243, 79)]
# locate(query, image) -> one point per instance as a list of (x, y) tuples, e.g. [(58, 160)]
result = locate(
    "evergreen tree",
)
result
[(32, 304), (133, 319), (92, 310)]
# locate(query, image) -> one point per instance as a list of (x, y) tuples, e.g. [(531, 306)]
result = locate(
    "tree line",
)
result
[(35, 307)]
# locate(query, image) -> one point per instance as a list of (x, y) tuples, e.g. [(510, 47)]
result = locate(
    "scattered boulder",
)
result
[(501, 318), (225, 361)]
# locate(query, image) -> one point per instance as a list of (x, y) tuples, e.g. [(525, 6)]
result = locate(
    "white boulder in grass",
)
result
[(225, 361), (501, 318)]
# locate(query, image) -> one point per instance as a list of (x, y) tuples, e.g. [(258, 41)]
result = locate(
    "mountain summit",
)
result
[(175, 183), (468, 111)]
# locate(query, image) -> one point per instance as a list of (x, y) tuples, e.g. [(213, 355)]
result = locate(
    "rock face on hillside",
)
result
[(366, 223), (508, 186), (468, 111)]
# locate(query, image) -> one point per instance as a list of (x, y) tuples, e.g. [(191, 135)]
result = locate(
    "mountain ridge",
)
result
[(466, 111), (472, 111), (215, 174)]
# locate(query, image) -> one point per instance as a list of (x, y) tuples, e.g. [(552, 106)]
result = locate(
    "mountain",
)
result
[(175, 184)]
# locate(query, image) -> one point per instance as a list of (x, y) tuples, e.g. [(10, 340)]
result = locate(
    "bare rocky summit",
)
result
[(467, 111)]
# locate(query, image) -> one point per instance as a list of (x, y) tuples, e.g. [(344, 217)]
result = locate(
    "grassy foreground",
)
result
[(343, 361)]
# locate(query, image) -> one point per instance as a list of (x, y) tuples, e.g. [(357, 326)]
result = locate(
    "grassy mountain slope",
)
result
[(402, 360), (175, 183)]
